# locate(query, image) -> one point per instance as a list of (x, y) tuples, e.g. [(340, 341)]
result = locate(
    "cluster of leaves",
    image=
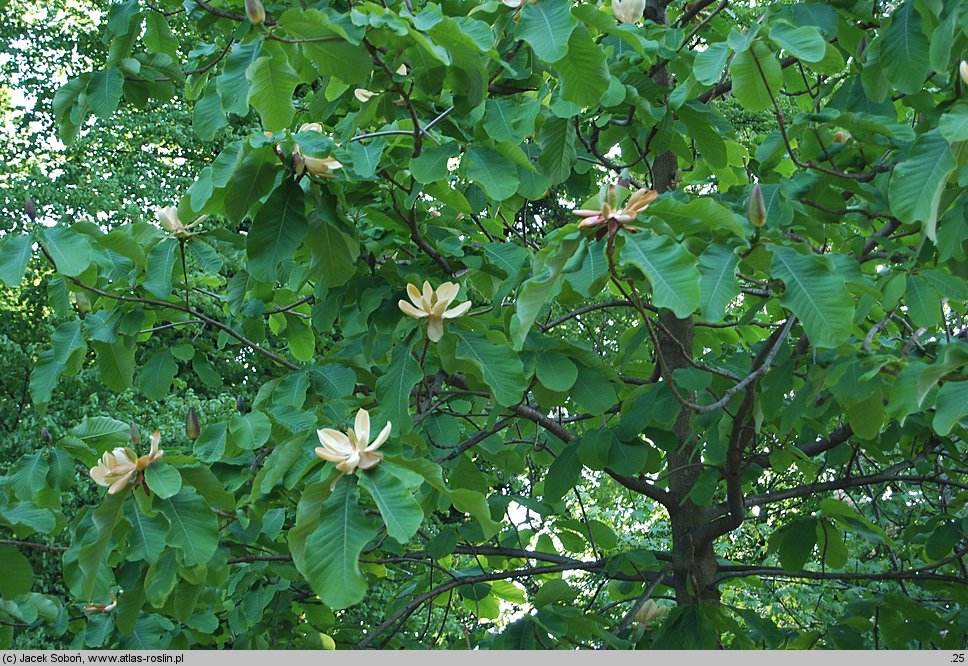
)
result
[(806, 365)]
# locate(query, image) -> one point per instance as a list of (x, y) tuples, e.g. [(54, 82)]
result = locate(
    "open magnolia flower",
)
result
[(352, 450), (117, 467), (168, 217), (322, 167), (647, 613), (433, 305), (615, 217)]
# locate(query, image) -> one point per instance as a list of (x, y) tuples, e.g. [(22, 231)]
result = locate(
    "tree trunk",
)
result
[(694, 570)]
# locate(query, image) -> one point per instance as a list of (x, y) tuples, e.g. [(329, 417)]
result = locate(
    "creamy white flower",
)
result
[(352, 450), (610, 214), (433, 305), (628, 11), (363, 94), (310, 127), (168, 218), (117, 467)]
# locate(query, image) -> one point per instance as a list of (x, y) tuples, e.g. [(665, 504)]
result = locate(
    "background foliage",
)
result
[(756, 419)]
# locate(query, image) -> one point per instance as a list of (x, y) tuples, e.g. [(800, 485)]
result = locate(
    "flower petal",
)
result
[(335, 441), (99, 475), (380, 439), (435, 328), (362, 428), (428, 295), (120, 483), (457, 311), (329, 456), (410, 310), (414, 294), (370, 460), (446, 293)]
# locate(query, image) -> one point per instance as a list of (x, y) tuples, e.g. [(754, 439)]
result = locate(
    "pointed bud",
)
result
[(30, 209), (83, 302), (861, 47), (240, 405), (756, 207), (135, 435), (840, 136), (255, 11), (963, 70), (192, 428), (45, 434)]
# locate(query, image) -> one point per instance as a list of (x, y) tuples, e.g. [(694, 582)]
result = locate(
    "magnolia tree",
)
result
[(574, 325)]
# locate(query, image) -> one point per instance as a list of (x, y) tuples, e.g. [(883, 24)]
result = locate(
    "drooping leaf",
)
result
[(816, 294), (670, 268), (400, 511), (276, 231)]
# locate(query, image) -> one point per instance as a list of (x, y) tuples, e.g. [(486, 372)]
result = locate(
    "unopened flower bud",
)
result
[(861, 47), (840, 136), (83, 302), (135, 435), (255, 11), (628, 11), (45, 435), (192, 427), (756, 207), (240, 405), (30, 209), (963, 70)]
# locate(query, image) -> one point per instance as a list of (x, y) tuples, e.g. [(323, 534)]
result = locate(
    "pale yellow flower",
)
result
[(310, 127), (433, 305), (352, 450), (363, 94), (647, 613), (628, 11), (117, 467), (168, 218), (322, 167), (611, 215)]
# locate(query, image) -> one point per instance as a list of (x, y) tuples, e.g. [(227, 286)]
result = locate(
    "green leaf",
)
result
[(251, 181), (366, 156), (749, 87), (805, 42), (540, 290), (115, 363), (953, 125), (335, 253), (546, 26), (333, 550), (330, 52), (15, 252), (507, 119), (160, 579), (671, 269), (904, 53), (207, 116), (210, 445), (333, 381), (797, 542), (431, 166), (563, 474), (950, 407), (393, 389), (18, 576), (104, 91), (710, 63), (718, 286), (161, 263), (592, 391), (146, 539), (94, 549), (917, 182), (193, 527), (29, 475), (102, 432), (250, 431), (70, 250), (496, 175), (163, 480), (233, 85), (157, 374), (558, 151), (583, 71), (501, 371), (816, 294), (923, 302), (400, 511), (276, 231), (475, 504), (556, 371), (272, 83), (67, 347)]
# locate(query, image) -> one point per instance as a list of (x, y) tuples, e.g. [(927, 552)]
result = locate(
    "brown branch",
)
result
[(32, 545)]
